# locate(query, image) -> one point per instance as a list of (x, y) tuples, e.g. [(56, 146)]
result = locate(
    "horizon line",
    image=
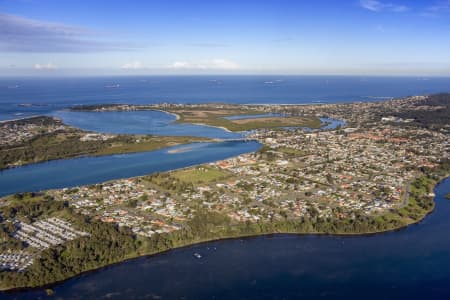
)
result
[(56, 76)]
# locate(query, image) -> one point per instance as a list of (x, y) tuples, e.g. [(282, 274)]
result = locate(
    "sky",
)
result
[(304, 37)]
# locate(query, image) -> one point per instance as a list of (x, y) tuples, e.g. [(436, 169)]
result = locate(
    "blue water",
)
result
[(412, 263), (89, 170), (331, 123), (53, 94), (139, 122)]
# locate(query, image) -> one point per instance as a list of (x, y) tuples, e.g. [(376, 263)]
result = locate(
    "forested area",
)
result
[(52, 146), (430, 118)]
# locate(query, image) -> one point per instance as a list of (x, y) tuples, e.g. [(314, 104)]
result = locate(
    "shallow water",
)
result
[(140, 122)]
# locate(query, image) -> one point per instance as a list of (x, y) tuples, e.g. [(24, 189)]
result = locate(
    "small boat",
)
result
[(197, 255)]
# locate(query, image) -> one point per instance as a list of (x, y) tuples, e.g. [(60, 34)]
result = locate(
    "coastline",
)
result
[(234, 237), (139, 176), (264, 232), (220, 127), (83, 155), (177, 117)]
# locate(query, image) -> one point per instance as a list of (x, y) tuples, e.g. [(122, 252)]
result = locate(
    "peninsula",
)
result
[(228, 116), (43, 138)]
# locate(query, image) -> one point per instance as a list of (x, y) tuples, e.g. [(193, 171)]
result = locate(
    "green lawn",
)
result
[(290, 151), (201, 174)]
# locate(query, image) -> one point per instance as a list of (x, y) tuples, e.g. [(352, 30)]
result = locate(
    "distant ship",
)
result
[(31, 104), (13, 86), (197, 255), (214, 81), (112, 86)]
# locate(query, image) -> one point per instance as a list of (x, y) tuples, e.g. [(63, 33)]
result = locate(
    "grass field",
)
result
[(275, 122), (215, 117), (290, 151), (202, 174)]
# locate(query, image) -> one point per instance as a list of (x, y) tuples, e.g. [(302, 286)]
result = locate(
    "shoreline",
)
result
[(206, 125), (205, 241), (179, 120), (93, 155), (19, 119), (138, 176), (237, 237), (177, 117)]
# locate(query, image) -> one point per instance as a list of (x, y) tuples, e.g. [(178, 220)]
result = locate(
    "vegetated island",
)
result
[(378, 174), (39, 139), (218, 115)]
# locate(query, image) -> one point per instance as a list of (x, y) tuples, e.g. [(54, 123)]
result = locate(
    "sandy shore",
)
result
[(177, 117), (180, 150)]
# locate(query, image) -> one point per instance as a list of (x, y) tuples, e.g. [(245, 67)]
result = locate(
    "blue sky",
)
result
[(361, 37)]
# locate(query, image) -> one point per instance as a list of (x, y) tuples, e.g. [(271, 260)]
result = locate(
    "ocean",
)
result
[(21, 97)]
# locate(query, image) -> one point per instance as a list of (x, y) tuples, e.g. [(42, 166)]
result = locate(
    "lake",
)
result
[(90, 170), (140, 122)]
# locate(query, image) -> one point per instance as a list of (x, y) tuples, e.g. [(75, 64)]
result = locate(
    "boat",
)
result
[(197, 255)]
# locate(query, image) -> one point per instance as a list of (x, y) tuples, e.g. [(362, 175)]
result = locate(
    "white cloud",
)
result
[(135, 65), (19, 34), (181, 65), (212, 64), (48, 66), (377, 6)]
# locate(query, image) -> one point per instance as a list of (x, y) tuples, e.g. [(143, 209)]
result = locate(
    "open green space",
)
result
[(216, 117), (201, 174)]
